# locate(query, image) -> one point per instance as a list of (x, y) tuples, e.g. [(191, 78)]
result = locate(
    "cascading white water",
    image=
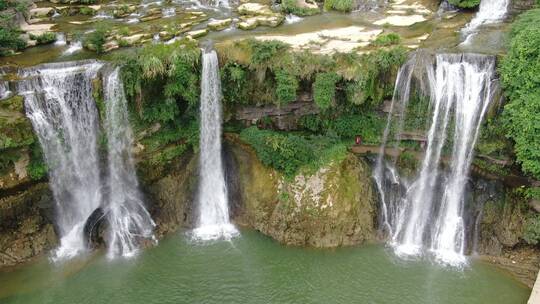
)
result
[(59, 104), (466, 84), (213, 222), (168, 12), (4, 90), (129, 221), (428, 212), (74, 47), (60, 39), (490, 11), (400, 99)]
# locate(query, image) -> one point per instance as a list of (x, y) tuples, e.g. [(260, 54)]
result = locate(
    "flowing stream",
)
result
[(128, 219), (490, 11), (427, 212), (213, 222)]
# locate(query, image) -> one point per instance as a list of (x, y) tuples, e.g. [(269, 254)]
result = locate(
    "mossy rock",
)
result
[(15, 128), (335, 206)]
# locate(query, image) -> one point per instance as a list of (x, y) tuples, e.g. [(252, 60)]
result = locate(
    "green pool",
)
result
[(255, 269)]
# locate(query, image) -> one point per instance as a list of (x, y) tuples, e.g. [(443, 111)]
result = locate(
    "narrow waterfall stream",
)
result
[(490, 11), (59, 103), (129, 221), (427, 213), (213, 221)]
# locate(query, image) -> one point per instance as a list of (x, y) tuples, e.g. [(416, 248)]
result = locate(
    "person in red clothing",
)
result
[(358, 140)]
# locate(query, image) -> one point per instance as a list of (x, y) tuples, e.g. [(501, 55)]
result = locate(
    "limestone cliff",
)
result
[(334, 206)]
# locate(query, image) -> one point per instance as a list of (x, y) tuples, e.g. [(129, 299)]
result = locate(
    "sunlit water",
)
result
[(254, 269)]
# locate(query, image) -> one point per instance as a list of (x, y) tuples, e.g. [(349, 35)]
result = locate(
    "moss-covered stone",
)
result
[(15, 128), (26, 228), (334, 206)]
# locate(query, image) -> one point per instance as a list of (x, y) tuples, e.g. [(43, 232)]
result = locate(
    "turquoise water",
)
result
[(255, 269)]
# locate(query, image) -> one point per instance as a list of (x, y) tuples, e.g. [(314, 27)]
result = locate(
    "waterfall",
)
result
[(465, 83), (59, 104), (60, 39), (400, 99), (129, 221), (213, 222), (490, 11), (74, 46), (427, 213)]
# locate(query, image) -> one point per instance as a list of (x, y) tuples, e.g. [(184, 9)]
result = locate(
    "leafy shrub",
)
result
[(387, 39), (324, 89), (531, 235), (10, 40), (86, 11), (284, 152), (37, 168), (521, 123), (339, 5), (521, 81), (286, 87), (529, 19), (44, 38), (264, 51), (97, 38), (312, 122), (234, 83), (369, 126), (465, 3), (290, 7), (289, 153)]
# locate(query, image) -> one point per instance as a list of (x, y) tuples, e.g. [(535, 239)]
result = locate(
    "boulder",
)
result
[(41, 12), (197, 33), (334, 206), (26, 228), (219, 25), (255, 9)]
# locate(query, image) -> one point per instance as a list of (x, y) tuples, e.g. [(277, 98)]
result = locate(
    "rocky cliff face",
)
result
[(497, 219), (170, 192), (26, 228), (334, 206)]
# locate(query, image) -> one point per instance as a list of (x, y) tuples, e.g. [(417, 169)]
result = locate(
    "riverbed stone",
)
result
[(219, 25), (197, 33)]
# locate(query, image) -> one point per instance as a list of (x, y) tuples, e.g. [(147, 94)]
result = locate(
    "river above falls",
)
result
[(254, 269)]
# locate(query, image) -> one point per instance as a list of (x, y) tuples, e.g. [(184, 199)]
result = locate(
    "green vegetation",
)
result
[(289, 153), (324, 90), (366, 79), (465, 3), (37, 169), (367, 125), (44, 38), (10, 40), (387, 39), (96, 39), (521, 81), (286, 87), (339, 5), (531, 235), (86, 11), (162, 84), (234, 83), (291, 7)]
